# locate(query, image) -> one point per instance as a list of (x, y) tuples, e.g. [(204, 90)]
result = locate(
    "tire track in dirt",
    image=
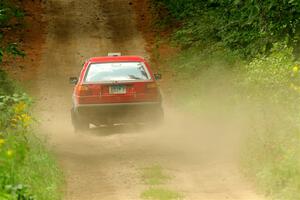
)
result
[(105, 165)]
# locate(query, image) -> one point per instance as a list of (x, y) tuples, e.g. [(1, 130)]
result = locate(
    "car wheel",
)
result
[(79, 124)]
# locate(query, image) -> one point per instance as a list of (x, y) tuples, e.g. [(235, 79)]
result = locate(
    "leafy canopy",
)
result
[(247, 26)]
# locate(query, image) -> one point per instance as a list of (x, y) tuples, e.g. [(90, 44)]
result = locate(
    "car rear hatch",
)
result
[(119, 92)]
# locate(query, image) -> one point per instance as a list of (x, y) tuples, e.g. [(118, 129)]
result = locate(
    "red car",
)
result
[(115, 89)]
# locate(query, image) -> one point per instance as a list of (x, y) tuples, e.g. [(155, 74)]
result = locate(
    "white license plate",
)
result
[(117, 89)]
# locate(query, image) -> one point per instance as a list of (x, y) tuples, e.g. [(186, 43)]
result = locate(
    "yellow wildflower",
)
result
[(26, 118), (295, 69), (9, 153), (20, 107)]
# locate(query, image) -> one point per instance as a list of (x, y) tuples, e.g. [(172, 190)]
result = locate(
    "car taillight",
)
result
[(83, 90)]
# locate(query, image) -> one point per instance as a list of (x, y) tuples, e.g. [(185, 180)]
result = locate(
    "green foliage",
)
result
[(8, 12), (10, 16), (27, 170), (271, 155), (154, 175), (24, 162), (265, 91), (14, 50), (272, 151), (160, 194), (248, 27), (7, 86), (194, 61), (14, 111), (203, 74), (273, 74), (40, 172), (14, 125)]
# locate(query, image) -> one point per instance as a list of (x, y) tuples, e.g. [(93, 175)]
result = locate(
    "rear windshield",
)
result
[(123, 71)]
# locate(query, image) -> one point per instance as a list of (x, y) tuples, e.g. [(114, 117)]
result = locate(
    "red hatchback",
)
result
[(115, 89)]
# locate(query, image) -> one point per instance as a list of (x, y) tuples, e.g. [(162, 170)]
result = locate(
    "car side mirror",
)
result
[(73, 80), (157, 76)]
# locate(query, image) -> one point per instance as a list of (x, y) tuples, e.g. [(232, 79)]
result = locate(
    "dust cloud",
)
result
[(200, 151)]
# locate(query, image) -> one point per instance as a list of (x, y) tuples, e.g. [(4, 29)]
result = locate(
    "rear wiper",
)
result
[(134, 77)]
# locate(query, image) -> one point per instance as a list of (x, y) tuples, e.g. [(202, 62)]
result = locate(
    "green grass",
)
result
[(271, 160), (154, 175), (28, 170), (40, 172), (160, 194)]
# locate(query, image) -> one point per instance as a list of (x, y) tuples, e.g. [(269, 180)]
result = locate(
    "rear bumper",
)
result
[(116, 107), (119, 111)]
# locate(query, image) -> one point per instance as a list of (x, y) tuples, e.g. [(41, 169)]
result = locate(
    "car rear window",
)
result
[(120, 71)]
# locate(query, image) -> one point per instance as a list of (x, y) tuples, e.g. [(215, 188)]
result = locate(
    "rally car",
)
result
[(116, 89)]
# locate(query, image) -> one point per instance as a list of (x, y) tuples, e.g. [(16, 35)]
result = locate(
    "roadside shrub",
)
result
[(24, 162), (14, 124), (265, 93), (247, 27), (10, 17), (276, 74), (239, 56), (203, 77), (272, 151), (7, 86), (27, 170)]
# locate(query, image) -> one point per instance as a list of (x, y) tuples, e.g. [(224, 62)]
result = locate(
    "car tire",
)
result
[(78, 124)]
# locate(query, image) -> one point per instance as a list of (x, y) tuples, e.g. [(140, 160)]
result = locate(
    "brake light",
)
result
[(83, 90)]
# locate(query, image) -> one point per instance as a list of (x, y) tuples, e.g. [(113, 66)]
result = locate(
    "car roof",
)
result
[(116, 59)]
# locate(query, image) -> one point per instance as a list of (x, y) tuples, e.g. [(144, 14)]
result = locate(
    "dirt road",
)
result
[(105, 164)]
